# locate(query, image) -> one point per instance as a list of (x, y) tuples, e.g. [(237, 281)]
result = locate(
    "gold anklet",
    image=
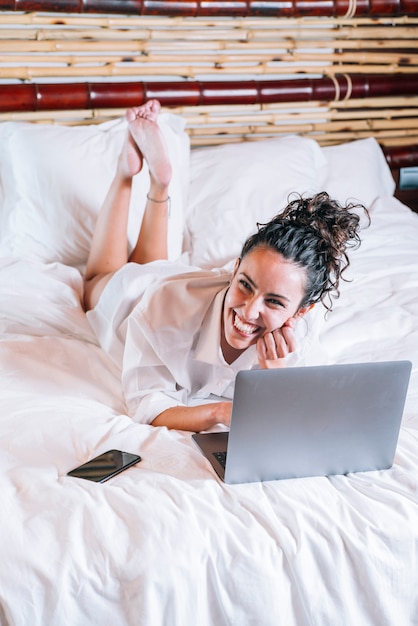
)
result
[(168, 199), (158, 201)]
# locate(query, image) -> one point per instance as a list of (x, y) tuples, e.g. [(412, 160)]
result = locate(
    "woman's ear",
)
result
[(236, 266), (304, 310)]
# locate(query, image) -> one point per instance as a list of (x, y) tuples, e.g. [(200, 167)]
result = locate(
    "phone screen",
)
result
[(105, 466)]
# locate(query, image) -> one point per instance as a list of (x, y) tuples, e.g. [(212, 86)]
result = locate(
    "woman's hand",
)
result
[(273, 348)]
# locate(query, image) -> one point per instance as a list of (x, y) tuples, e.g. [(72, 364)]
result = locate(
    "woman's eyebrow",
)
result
[(278, 296), (248, 279)]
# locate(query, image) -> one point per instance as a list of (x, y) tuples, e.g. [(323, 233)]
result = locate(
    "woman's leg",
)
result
[(109, 248), (152, 239)]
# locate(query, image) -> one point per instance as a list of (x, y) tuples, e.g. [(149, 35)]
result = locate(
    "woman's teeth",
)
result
[(243, 327)]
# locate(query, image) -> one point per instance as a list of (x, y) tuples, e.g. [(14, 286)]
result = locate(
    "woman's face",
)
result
[(265, 292)]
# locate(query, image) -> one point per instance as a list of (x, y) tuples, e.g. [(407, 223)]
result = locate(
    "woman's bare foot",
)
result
[(131, 158), (149, 111), (150, 143)]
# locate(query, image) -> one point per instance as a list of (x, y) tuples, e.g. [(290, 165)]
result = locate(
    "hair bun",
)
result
[(314, 233)]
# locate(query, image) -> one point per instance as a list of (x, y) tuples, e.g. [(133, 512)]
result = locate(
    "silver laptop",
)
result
[(310, 421)]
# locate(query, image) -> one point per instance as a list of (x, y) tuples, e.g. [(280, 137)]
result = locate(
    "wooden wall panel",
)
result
[(335, 71)]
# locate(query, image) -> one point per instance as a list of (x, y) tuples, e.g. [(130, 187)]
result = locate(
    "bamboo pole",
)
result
[(205, 33), (31, 38), (280, 118), (23, 45), (110, 70), (217, 59), (367, 125), (362, 103), (273, 123)]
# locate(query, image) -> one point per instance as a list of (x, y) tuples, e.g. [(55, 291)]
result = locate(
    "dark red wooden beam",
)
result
[(238, 8), (401, 156), (91, 95)]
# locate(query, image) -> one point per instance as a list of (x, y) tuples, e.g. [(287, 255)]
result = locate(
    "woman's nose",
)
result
[(252, 309)]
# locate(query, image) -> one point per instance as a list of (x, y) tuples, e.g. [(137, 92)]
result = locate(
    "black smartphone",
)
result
[(105, 466)]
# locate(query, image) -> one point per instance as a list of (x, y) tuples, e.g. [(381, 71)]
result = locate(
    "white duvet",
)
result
[(166, 543)]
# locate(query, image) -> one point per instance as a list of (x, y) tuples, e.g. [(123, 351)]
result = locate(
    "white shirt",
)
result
[(161, 323)]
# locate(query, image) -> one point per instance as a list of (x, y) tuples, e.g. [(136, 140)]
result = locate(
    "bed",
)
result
[(166, 542)]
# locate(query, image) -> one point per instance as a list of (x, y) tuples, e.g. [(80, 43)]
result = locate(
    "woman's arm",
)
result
[(195, 418)]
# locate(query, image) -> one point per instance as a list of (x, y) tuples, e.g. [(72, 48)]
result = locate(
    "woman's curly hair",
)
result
[(315, 233)]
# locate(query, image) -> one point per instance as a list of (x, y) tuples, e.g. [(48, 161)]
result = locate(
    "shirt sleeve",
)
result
[(148, 385)]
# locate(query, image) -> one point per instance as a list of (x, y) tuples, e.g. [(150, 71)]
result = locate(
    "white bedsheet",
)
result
[(166, 543)]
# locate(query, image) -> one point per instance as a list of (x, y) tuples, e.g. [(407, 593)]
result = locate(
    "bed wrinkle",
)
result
[(348, 542), (77, 567), (59, 365), (312, 550), (28, 325), (205, 532), (39, 298), (188, 509), (309, 528), (361, 494)]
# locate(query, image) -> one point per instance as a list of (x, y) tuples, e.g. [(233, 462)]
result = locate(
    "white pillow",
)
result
[(234, 186), (358, 172), (54, 179)]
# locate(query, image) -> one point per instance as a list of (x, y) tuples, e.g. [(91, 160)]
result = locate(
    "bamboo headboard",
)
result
[(335, 70)]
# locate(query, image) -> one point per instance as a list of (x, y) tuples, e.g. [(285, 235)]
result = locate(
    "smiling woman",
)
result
[(181, 333), (291, 263)]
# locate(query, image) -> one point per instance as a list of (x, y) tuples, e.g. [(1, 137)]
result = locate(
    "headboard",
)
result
[(334, 70)]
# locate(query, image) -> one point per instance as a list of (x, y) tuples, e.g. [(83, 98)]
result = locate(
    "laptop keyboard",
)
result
[(220, 457)]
